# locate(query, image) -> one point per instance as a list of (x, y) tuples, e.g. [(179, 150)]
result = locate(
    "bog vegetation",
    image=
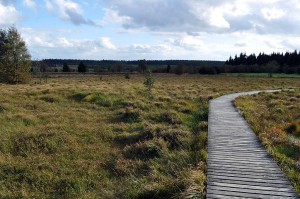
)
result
[(103, 137), (120, 136), (275, 118)]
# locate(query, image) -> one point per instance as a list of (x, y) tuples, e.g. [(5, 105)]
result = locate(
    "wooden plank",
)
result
[(250, 172), (248, 195), (254, 191), (249, 179), (251, 187), (238, 165)]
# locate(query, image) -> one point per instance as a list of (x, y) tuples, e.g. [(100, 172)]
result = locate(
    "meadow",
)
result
[(275, 118), (277, 75), (87, 136)]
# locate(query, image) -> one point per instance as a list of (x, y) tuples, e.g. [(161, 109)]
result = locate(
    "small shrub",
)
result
[(149, 80)]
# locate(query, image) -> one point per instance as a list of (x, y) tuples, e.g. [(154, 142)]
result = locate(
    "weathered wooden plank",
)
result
[(254, 191), (238, 165), (244, 179), (251, 187), (245, 173), (216, 196), (241, 167), (249, 172), (248, 195), (246, 183)]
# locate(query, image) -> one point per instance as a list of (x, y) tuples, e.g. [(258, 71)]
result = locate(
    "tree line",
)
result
[(288, 62), (122, 66)]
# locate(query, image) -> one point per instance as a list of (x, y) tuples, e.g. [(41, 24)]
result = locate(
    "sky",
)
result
[(153, 29)]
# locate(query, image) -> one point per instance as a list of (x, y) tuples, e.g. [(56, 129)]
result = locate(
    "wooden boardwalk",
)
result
[(238, 165)]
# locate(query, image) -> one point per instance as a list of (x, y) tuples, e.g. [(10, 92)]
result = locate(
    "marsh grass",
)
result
[(91, 137), (274, 117)]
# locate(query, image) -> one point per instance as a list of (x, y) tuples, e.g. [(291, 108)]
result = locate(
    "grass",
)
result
[(275, 75), (275, 118), (103, 137)]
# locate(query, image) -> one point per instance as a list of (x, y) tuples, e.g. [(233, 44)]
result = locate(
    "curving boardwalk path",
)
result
[(238, 165)]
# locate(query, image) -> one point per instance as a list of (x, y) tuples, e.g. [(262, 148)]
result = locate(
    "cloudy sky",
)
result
[(153, 29)]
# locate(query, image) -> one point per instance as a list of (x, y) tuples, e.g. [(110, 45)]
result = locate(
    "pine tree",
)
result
[(82, 67), (168, 69), (15, 64), (143, 65), (66, 68)]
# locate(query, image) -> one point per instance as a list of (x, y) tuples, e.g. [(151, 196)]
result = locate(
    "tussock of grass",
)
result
[(91, 137)]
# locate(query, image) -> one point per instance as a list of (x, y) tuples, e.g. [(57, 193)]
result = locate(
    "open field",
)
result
[(275, 118), (107, 137), (278, 75)]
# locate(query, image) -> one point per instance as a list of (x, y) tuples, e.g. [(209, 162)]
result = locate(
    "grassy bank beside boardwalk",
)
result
[(96, 136), (275, 118)]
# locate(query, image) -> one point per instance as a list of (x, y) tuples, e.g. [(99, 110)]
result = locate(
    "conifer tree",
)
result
[(82, 67)]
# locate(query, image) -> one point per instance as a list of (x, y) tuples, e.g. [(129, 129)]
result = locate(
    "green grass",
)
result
[(87, 136)]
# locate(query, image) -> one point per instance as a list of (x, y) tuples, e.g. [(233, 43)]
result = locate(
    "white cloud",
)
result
[(106, 43), (169, 29), (8, 15), (215, 16), (112, 16), (187, 42), (30, 4), (272, 13), (69, 11), (49, 6)]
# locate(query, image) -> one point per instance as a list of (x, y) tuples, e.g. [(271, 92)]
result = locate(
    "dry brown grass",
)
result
[(275, 118), (103, 137)]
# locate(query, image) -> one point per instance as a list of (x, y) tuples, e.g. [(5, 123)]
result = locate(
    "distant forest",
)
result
[(159, 66), (288, 63)]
